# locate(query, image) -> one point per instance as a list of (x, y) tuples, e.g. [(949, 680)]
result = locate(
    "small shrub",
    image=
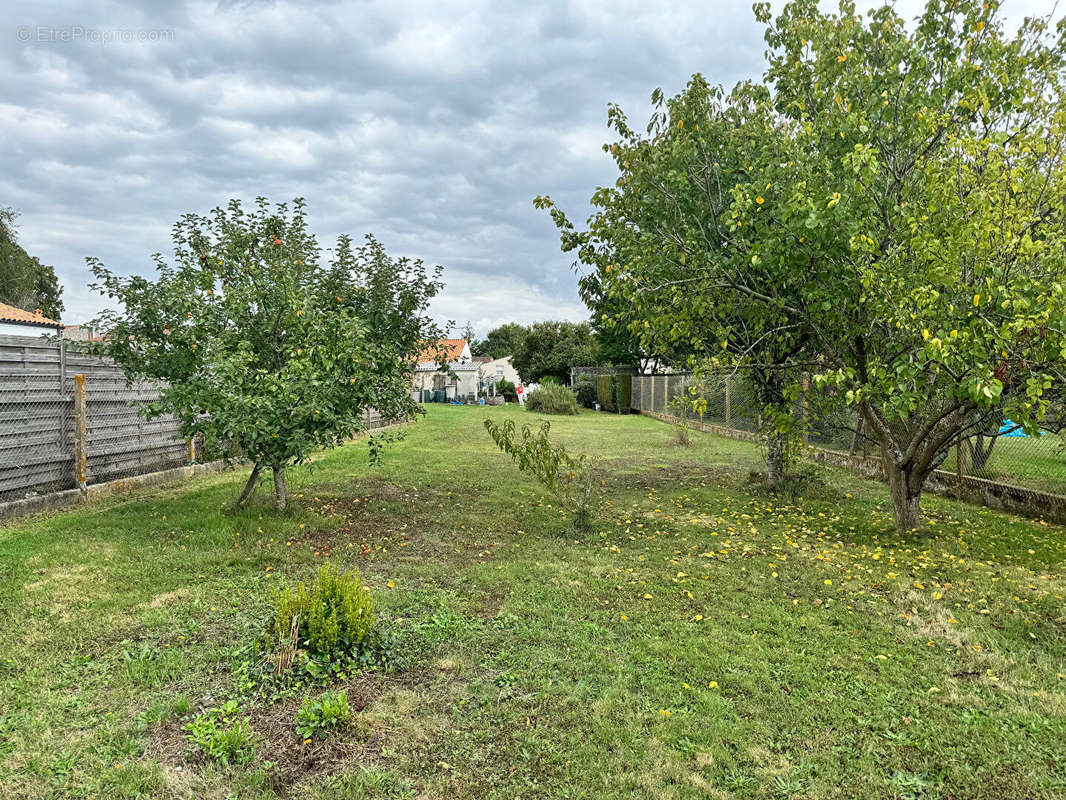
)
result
[(334, 614), (550, 380), (569, 478), (679, 408), (605, 393), (508, 390), (220, 734), (585, 392), (317, 718), (552, 398)]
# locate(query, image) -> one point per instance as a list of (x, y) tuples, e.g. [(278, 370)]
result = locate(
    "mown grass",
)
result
[(708, 640)]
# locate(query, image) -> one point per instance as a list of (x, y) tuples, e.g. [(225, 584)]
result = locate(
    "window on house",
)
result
[(499, 372)]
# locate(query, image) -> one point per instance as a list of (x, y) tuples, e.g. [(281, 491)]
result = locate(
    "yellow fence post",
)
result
[(81, 432), (192, 450)]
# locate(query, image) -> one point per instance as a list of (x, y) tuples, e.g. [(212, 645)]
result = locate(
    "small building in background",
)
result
[(80, 333), (19, 322), (458, 379), (498, 369)]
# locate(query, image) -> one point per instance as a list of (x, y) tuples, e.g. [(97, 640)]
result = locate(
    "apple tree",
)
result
[(261, 344)]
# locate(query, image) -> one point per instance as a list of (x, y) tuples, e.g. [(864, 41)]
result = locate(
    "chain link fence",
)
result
[(1003, 455)]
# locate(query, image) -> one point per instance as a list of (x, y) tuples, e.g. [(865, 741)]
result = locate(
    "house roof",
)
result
[(21, 317), (451, 349), (453, 366), (482, 359)]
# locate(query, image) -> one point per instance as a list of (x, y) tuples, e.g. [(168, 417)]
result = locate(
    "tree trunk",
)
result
[(906, 499), (249, 487), (281, 489), (979, 453), (775, 457)]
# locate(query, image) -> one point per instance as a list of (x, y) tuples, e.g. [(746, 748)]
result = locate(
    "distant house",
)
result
[(458, 379), (80, 333), (498, 369), (18, 322)]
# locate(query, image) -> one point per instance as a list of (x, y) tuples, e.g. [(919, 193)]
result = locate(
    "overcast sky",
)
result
[(431, 124)]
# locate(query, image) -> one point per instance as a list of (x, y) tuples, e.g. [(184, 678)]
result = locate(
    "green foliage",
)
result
[(680, 409), (622, 388), (376, 444), (570, 479), (318, 718), (551, 398), (222, 735), (888, 203), (585, 391), (507, 389), (605, 393), (25, 282), (261, 344), (552, 348), (333, 614), (501, 342)]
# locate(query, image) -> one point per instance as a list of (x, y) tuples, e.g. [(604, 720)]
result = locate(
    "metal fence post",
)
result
[(728, 402), (81, 432), (960, 470)]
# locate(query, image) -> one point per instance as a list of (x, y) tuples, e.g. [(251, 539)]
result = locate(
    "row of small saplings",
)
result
[(321, 631)]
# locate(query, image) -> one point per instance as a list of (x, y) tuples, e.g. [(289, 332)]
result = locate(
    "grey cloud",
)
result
[(431, 124)]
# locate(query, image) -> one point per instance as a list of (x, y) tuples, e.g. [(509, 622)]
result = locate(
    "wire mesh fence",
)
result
[(1003, 454)]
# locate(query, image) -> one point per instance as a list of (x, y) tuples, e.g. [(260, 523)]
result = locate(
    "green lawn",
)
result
[(708, 641), (1028, 461)]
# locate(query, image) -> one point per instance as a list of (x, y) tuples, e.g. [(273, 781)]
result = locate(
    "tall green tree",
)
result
[(668, 264), (899, 211), (934, 152), (501, 341), (260, 344), (24, 281), (550, 349)]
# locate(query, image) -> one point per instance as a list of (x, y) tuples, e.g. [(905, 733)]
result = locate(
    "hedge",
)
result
[(605, 393), (623, 393)]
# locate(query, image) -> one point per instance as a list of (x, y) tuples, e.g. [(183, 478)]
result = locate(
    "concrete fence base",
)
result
[(55, 501), (978, 491)]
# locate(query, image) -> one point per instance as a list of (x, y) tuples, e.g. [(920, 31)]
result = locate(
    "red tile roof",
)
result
[(450, 348), (12, 314)]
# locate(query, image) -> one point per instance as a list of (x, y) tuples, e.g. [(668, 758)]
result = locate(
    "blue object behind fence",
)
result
[(1010, 429)]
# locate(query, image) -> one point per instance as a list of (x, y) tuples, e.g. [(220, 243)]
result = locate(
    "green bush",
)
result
[(317, 718), (223, 736), (623, 393), (605, 393), (569, 478), (507, 389), (585, 391), (334, 614), (552, 398)]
